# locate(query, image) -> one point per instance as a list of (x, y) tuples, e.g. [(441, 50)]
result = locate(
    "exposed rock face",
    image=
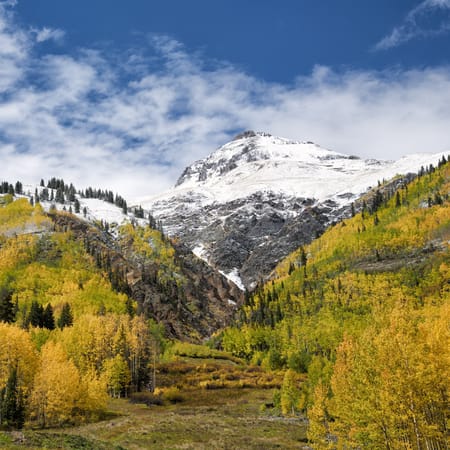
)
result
[(204, 303), (257, 198), (254, 235)]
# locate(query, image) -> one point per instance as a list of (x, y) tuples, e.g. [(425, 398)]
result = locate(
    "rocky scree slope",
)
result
[(192, 301), (259, 197)]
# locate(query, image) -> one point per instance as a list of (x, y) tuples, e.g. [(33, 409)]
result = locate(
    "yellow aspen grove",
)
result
[(391, 386), (318, 430), (140, 351), (117, 377), (17, 351), (57, 391)]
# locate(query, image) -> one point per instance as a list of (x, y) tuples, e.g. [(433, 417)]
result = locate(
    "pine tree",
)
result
[(398, 201), (19, 188), (12, 405), (48, 319), (44, 194), (36, 316), (66, 318), (76, 205), (6, 306), (59, 197)]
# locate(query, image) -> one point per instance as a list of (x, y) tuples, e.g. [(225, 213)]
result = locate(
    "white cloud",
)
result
[(132, 123), (417, 24), (46, 34), (13, 48)]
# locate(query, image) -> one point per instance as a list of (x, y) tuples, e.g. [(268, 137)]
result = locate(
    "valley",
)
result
[(116, 335)]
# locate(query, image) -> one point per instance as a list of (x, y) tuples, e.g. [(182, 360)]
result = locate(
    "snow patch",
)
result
[(234, 277), (200, 252)]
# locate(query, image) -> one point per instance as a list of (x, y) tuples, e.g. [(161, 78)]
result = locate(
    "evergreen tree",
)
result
[(19, 188), (59, 198), (6, 306), (130, 307), (66, 318), (71, 193), (12, 405), (398, 200), (36, 316), (48, 320), (44, 194), (76, 205)]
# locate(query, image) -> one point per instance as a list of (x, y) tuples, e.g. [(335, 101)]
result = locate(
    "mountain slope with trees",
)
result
[(364, 310), (84, 314)]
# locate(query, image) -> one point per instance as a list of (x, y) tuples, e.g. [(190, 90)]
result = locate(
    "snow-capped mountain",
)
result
[(259, 197)]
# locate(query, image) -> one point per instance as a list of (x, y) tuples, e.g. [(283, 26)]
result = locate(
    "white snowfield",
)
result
[(96, 210), (264, 163)]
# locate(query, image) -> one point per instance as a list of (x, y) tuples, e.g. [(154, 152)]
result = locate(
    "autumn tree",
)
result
[(117, 376), (60, 393), (290, 393)]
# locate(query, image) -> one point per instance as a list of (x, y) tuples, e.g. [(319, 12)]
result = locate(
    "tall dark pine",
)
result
[(48, 320), (76, 205), (12, 405), (6, 306), (19, 188), (36, 317), (59, 198), (66, 318)]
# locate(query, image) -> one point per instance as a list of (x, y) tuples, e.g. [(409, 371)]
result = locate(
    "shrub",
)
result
[(146, 398), (171, 394)]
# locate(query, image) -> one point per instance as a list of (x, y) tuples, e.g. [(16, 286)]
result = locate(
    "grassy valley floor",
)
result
[(203, 418)]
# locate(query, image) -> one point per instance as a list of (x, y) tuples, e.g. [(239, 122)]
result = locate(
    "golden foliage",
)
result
[(17, 351)]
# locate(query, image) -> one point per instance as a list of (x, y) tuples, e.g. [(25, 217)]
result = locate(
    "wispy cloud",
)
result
[(133, 121), (47, 34), (429, 18)]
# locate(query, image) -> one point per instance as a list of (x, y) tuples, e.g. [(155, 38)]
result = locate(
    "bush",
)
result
[(171, 394), (207, 384), (146, 398)]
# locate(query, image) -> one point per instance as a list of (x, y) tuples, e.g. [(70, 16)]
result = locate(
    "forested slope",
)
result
[(79, 309), (365, 311)]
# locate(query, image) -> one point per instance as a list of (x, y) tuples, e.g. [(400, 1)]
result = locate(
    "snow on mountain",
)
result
[(231, 206), (262, 163), (91, 209)]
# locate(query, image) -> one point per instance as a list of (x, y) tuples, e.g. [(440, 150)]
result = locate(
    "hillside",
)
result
[(364, 311), (351, 330), (167, 282)]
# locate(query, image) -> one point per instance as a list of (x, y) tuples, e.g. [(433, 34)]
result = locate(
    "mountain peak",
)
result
[(259, 196), (254, 152)]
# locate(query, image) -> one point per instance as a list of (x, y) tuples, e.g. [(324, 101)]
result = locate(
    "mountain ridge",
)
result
[(259, 192)]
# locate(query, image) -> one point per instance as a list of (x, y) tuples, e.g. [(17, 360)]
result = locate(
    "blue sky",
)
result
[(125, 94)]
